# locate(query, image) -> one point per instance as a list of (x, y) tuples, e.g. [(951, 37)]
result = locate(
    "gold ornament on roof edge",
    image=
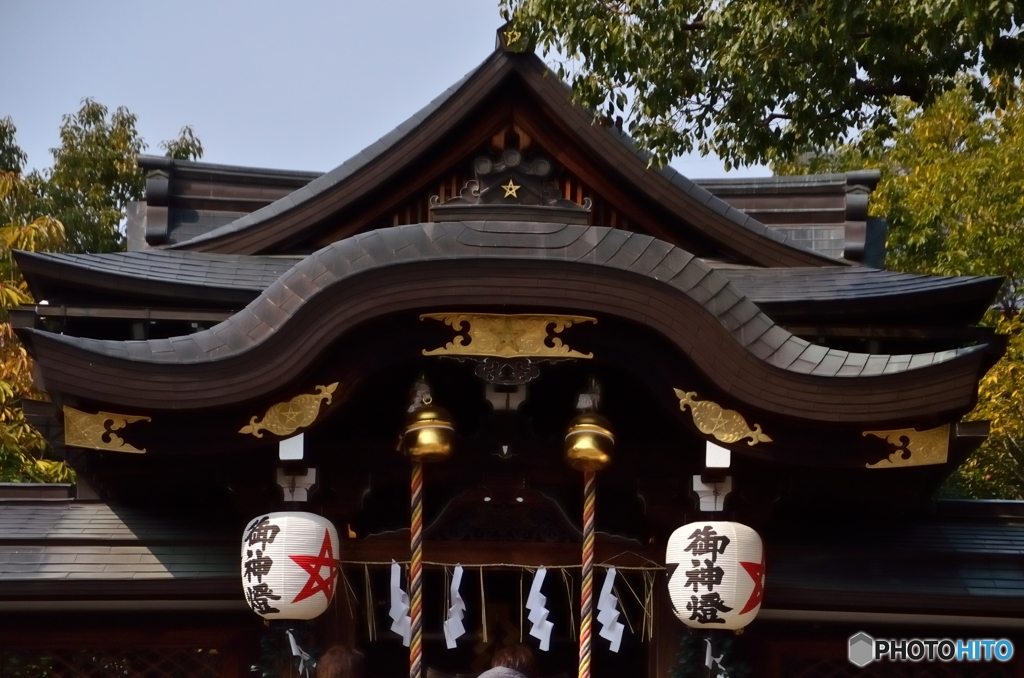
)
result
[(710, 418), (91, 431), (923, 448), (508, 336), (286, 418)]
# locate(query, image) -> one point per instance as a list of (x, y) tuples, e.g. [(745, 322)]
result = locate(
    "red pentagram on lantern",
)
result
[(756, 572), (313, 565)]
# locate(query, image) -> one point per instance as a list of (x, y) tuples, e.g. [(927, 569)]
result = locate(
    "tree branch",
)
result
[(621, 8), (914, 92)]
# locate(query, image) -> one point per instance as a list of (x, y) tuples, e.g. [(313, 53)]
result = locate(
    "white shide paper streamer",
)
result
[(401, 621), (608, 614), (536, 603), (453, 627)]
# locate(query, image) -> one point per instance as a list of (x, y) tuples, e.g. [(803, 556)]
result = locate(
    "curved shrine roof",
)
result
[(286, 219), (539, 265), (236, 279)]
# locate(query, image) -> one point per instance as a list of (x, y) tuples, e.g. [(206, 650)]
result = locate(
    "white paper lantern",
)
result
[(289, 564), (715, 574)]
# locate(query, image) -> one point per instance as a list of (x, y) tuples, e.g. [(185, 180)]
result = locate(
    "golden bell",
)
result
[(589, 442), (428, 434)]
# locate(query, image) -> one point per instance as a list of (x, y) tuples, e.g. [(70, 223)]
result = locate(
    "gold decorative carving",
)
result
[(727, 426), (286, 418), (512, 37), (510, 189), (913, 447), (95, 431), (508, 336)]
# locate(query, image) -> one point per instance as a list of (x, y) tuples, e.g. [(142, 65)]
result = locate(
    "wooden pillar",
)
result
[(664, 645)]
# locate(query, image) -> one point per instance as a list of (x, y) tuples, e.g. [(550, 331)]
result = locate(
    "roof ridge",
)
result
[(342, 171), (733, 229), (255, 273)]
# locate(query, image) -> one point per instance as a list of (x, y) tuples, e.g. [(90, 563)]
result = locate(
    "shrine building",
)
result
[(503, 256)]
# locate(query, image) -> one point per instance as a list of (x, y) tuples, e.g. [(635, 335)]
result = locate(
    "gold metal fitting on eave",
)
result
[(495, 335), (429, 434), (96, 431), (913, 447), (284, 419), (727, 426), (589, 443)]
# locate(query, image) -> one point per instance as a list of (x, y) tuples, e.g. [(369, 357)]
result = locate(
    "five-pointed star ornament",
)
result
[(314, 565), (756, 572), (510, 189)]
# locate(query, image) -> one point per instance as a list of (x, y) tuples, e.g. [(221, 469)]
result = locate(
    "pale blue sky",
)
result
[(295, 85)]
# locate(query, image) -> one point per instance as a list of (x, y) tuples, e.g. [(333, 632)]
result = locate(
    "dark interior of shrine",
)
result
[(514, 445)]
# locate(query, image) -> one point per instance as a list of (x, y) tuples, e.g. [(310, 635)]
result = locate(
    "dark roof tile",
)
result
[(690, 275), (671, 265), (755, 329), (270, 313), (788, 353), (874, 365), (653, 255), (695, 283)]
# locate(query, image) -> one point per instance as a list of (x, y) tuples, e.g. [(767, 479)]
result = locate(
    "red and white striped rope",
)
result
[(587, 597), (416, 574)]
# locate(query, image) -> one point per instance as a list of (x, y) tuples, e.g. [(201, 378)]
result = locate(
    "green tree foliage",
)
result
[(78, 206), (756, 80), (186, 147), (22, 449), (953, 190), (996, 471), (94, 176)]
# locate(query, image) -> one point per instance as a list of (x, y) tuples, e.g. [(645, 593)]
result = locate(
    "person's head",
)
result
[(518, 657), (341, 662)]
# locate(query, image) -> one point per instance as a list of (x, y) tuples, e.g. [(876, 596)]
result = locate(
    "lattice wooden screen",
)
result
[(417, 209), (167, 663)]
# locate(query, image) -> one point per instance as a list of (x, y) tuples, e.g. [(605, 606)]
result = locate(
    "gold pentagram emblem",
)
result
[(510, 189)]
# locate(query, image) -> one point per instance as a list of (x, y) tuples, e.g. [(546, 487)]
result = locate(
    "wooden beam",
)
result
[(131, 313), (877, 332), (615, 552)]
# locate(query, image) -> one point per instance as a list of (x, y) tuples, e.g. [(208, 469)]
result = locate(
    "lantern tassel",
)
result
[(714, 663), (298, 652), (587, 596)]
